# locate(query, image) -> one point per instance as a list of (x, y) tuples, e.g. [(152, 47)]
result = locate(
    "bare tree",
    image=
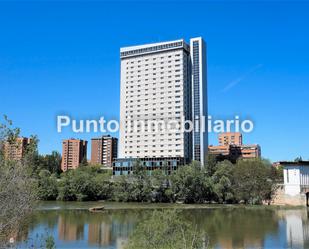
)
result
[(17, 187)]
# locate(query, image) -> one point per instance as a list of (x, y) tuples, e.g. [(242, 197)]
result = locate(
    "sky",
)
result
[(62, 58)]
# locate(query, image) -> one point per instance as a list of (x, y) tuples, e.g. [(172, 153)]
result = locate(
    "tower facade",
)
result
[(161, 82), (199, 99)]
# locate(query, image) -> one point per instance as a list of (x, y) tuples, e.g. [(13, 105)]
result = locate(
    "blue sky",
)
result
[(63, 58)]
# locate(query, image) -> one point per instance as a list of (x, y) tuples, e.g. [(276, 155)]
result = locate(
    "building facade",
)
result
[(227, 138), (104, 150), (124, 166), (296, 177), (231, 148), (199, 99), (16, 150), (250, 151), (295, 188), (74, 152), (159, 83)]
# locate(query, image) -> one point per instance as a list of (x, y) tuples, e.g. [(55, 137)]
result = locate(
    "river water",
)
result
[(73, 226)]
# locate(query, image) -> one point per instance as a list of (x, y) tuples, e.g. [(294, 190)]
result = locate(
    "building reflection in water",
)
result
[(68, 230), (99, 234), (104, 229), (105, 234), (297, 228)]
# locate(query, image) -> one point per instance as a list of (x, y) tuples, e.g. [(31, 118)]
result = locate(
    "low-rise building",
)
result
[(124, 166), (296, 177), (295, 188)]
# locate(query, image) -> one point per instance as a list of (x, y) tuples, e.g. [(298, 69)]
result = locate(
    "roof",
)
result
[(152, 48)]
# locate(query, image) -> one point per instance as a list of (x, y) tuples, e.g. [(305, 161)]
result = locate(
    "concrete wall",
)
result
[(284, 199)]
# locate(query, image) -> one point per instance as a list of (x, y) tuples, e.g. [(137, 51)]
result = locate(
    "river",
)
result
[(73, 226)]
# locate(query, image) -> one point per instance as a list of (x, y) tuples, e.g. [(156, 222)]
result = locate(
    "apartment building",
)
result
[(250, 151), (104, 150), (227, 138), (74, 151), (15, 150), (231, 148), (162, 82)]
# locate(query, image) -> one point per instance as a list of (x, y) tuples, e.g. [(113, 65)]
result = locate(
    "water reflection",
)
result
[(259, 227), (297, 228)]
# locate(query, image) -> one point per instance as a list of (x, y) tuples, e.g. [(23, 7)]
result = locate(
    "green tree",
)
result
[(252, 181), (18, 189), (48, 186), (122, 189), (211, 164), (103, 186), (166, 229), (191, 184), (79, 185), (84, 162), (50, 162), (160, 186), (222, 180)]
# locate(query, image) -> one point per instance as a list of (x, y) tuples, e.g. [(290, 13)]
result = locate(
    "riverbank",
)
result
[(75, 205)]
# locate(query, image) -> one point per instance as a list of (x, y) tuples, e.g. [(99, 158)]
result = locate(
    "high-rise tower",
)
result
[(155, 85), (161, 82)]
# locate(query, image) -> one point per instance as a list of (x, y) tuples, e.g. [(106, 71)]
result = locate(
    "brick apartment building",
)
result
[(231, 147), (74, 151), (104, 150), (17, 149), (228, 138)]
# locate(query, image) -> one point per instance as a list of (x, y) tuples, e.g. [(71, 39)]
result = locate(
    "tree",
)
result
[(252, 181), (122, 189), (160, 186), (84, 162), (48, 189), (166, 229), (50, 162), (191, 184), (211, 164), (222, 180), (18, 190), (79, 185)]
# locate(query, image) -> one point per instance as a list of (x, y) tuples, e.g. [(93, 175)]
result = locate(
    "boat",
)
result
[(96, 209)]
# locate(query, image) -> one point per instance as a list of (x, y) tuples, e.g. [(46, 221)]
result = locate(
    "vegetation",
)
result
[(51, 162), (171, 231), (18, 189), (247, 181)]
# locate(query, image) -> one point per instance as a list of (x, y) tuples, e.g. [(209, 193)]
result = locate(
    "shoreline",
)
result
[(108, 206)]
